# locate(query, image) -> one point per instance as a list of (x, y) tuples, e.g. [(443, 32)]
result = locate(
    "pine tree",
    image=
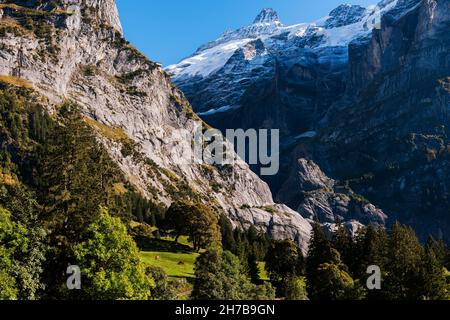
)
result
[(371, 248), (438, 248), (208, 281), (77, 177), (432, 276), (284, 259), (319, 251), (226, 230), (343, 242), (253, 268), (321, 254), (403, 269)]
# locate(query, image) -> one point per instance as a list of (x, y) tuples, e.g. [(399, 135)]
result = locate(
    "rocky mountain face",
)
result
[(283, 77), (74, 50), (316, 196), (388, 136), (344, 15), (364, 93)]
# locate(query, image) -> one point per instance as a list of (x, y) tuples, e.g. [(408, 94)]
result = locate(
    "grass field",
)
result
[(176, 265), (176, 259)]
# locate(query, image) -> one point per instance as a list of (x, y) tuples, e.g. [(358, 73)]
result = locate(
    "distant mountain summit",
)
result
[(267, 15), (344, 24)]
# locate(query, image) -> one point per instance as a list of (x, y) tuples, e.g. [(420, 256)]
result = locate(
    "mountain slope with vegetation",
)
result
[(75, 51), (85, 151)]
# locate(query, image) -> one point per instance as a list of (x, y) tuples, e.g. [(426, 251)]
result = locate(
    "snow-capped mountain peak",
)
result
[(343, 25), (267, 15)]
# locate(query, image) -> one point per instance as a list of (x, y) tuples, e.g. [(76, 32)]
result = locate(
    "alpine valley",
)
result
[(94, 204)]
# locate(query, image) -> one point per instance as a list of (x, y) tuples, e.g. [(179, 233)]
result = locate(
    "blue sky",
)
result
[(169, 30)]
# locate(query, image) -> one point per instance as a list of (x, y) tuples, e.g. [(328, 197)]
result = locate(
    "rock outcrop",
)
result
[(317, 197), (267, 15), (344, 15), (74, 50)]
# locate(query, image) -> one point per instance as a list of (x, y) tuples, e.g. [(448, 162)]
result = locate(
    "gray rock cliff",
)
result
[(74, 50)]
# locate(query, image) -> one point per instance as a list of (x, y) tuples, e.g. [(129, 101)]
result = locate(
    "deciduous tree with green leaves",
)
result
[(195, 220), (162, 289), (110, 265)]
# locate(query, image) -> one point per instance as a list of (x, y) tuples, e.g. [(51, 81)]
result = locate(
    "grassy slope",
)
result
[(177, 260), (176, 265), (179, 263)]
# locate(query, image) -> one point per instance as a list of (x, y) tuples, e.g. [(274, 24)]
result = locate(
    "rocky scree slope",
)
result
[(316, 196), (74, 50)]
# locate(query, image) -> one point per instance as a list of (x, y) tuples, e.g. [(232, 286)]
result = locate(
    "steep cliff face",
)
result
[(388, 137), (100, 11), (74, 50), (363, 92)]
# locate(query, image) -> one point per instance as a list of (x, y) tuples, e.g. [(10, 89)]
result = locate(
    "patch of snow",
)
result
[(214, 111), (308, 134), (342, 36)]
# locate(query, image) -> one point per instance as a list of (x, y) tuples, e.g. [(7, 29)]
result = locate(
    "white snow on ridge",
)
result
[(342, 36), (208, 61), (214, 111), (308, 134), (217, 53)]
